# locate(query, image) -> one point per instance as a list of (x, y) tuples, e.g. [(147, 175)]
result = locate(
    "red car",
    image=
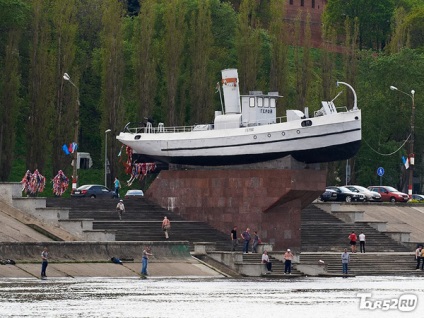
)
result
[(390, 194)]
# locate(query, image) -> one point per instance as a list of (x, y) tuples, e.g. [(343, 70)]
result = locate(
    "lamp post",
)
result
[(106, 131), (411, 141), (66, 77)]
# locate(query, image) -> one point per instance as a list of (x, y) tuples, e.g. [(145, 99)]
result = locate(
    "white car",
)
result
[(369, 195)]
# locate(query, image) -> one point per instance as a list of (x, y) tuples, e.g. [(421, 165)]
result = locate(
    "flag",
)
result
[(65, 149), (405, 161)]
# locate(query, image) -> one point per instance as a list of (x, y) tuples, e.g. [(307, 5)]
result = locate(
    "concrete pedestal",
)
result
[(265, 200)]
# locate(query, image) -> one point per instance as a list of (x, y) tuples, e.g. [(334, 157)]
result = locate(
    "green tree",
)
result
[(173, 50), (200, 51), (64, 33), (145, 58), (112, 74), (40, 87), (373, 17)]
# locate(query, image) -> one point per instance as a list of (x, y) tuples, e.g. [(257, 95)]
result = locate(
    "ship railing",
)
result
[(149, 129)]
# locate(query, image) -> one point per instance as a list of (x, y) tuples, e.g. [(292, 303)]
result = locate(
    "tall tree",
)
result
[(248, 45), (13, 15), (173, 49), (40, 87), (145, 58), (112, 73), (279, 38), (200, 51), (65, 28)]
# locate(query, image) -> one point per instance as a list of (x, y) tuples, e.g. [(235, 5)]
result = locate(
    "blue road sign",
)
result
[(380, 171)]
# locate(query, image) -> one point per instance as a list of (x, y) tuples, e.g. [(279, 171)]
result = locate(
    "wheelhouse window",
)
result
[(272, 103), (252, 101), (260, 102)]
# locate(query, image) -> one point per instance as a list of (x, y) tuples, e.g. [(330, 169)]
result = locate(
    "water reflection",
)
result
[(163, 297)]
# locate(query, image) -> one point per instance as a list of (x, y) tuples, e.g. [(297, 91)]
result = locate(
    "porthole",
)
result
[(254, 137), (269, 135), (283, 133), (298, 131), (136, 137)]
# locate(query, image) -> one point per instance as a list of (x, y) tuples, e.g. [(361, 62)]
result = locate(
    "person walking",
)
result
[(345, 261), (246, 239), (234, 240), (117, 185), (362, 242), (266, 261), (120, 207), (166, 225), (288, 258), (255, 242), (418, 256), (45, 262), (352, 237), (145, 260)]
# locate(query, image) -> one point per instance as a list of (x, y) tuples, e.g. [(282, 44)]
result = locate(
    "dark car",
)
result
[(328, 195), (345, 195), (418, 197), (134, 194), (92, 191), (390, 194)]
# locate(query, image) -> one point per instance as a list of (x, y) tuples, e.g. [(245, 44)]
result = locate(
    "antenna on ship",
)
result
[(218, 89)]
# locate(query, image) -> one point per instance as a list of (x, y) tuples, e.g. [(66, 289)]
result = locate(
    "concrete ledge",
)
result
[(99, 235), (265, 247), (77, 226), (349, 216), (51, 215), (312, 270), (251, 269), (380, 226), (28, 204), (203, 248), (399, 236), (93, 251), (10, 190)]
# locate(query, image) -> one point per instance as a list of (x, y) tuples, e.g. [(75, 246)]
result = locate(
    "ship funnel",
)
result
[(230, 87)]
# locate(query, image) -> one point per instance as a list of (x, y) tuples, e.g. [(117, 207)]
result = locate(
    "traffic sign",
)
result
[(380, 171)]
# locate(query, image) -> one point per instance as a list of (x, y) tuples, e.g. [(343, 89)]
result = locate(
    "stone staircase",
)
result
[(141, 221), (365, 263), (323, 232)]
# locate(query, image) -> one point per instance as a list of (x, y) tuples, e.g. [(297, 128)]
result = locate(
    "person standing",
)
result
[(145, 260), (166, 225), (234, 240), (117, 185), (345, 261), (120, 207), (418, 256), (246, 239), (352, 237), (362, 242), (45, 262), (255, 242), (288, 258), (266, 261)]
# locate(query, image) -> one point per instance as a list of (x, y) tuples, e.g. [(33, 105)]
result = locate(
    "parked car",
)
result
[(418, 197), (328, 195), (134, 194), (390, 194), (92, 191), (344, 194), (369, 195)]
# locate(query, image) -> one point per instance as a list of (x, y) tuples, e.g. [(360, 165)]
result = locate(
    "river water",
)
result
[(201, 297)]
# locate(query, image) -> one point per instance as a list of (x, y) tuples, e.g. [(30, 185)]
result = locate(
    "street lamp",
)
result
[(66, 77), (106, 131), (411, 141)]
